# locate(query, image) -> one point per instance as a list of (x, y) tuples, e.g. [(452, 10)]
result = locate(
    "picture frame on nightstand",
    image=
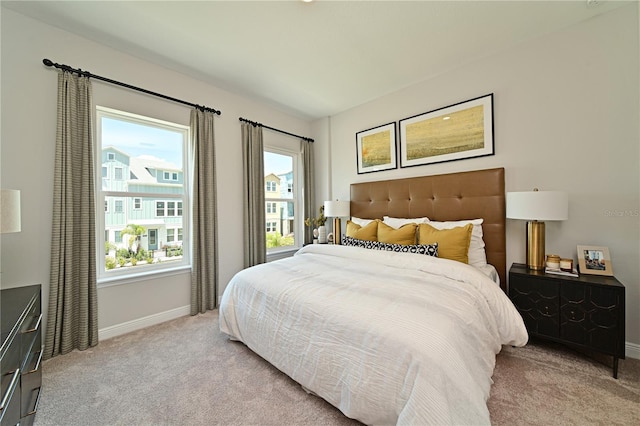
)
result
[(595, 260)]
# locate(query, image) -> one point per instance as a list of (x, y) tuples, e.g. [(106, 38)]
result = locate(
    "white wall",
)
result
[(566, 113), (28, 141)]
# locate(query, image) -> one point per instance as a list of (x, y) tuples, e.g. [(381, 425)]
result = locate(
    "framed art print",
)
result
[(376, 149), (456, 132)]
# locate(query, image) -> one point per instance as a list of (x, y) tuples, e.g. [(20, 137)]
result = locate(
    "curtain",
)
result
[(73, 308), (308, 209), (255, 245), (204, 256)]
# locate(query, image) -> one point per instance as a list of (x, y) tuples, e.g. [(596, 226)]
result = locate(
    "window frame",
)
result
[(296, 198), (131, 274)]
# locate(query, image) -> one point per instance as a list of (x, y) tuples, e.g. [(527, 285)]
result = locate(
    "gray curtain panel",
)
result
[(204, 253), (309, 185), (255, 243), (73, 305)]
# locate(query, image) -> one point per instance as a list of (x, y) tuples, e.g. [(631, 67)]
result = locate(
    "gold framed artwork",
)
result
[(376, 149), (459, 131), (594, 260)]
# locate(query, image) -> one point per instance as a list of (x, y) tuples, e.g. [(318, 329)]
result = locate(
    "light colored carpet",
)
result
[(185, 372)]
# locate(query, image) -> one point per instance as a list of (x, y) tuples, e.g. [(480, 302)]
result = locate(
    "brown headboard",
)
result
[(453, 196)]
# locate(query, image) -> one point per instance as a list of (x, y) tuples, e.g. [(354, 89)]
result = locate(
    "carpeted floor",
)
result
[(185, 372)]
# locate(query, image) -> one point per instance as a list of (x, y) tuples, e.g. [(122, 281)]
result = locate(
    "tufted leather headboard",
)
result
[(453, 196)]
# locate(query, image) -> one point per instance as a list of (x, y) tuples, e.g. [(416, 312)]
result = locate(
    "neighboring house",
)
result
[(161, 217), (286, 213), (279, 215)]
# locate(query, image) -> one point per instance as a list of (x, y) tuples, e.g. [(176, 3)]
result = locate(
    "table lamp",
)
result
[(336, 210), (9, 211), (535, 207)]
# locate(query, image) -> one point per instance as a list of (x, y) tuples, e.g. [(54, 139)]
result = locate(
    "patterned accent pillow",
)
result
[(427, 249)]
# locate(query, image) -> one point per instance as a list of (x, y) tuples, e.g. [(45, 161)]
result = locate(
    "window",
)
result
[(145, 208), (271, 226), (170, 176), (168, 208), (282, 221)]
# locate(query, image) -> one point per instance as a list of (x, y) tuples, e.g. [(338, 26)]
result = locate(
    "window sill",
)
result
[(142, 276), (281, 254)]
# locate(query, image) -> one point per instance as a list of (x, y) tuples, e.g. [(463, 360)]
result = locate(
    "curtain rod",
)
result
[(256, 124), (78, 71)]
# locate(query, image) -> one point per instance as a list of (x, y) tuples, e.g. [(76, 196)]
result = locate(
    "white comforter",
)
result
[(385, 337)]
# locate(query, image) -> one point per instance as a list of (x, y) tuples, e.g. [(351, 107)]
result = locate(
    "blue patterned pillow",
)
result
[(427, 249)]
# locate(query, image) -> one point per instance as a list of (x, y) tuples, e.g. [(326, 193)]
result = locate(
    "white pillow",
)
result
[(361, 222), (398, 222), (477, 255)]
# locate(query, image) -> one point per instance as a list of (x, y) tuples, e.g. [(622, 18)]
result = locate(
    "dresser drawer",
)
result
[(21, 355), (10, 404), (537, 301), (590, 316)]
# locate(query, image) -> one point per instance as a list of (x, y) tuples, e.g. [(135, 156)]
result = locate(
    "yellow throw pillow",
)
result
[(405, 235), (452, 243), (368, 232)]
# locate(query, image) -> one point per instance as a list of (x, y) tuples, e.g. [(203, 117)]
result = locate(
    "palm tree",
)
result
[(135, 232)]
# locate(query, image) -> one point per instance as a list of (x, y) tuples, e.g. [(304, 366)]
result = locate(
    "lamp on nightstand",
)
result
[(336, 209), (535, 207)]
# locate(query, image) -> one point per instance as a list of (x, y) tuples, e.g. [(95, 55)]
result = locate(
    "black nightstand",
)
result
[(586, 312)]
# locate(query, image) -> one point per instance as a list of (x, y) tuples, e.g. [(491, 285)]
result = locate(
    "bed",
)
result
[(388, 337)]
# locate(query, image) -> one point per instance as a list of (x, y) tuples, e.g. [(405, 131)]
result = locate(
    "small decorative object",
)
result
[(319, 231), (376, 149), (566, 265), (594, 260), (322, 234), (459, 131), (553, 261), (330, 238)]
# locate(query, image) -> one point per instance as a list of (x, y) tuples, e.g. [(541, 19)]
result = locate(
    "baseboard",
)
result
[(632, 350), (137, 324)]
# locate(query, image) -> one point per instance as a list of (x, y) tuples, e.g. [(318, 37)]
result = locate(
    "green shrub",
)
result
[(110, 262), (123, 252)]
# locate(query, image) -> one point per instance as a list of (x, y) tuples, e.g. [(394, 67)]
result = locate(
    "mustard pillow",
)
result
[(405, 235), (368, 232), (452, 243)]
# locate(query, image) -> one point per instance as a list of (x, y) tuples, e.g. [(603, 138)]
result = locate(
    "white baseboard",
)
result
[(137, 324), (632, 350)]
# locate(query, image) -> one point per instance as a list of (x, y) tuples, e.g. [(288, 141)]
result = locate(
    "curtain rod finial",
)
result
[(47, 62)]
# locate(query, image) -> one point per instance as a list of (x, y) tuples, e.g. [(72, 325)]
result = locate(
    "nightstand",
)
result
[(586, 312)]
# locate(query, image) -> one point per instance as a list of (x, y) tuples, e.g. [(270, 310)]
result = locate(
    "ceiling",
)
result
[(311, 59)]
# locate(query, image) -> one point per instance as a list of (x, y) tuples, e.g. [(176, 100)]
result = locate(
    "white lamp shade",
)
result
[(337, 208), (9, 211), (538, 205)]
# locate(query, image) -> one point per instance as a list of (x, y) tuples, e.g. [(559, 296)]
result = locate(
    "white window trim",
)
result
[(112, 277)]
